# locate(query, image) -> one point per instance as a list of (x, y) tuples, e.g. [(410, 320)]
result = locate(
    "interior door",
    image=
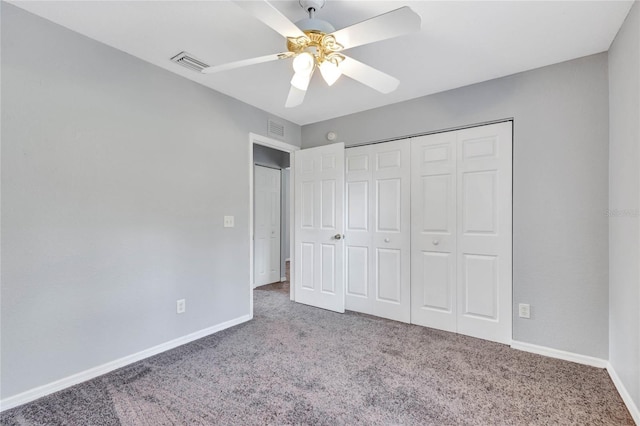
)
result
[(433, 231), (318, 218), (266, 225), (378, 229), (484, 183)]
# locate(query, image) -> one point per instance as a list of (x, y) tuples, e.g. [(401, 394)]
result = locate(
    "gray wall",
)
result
[(560, 231), (624, 204), (116, 175)]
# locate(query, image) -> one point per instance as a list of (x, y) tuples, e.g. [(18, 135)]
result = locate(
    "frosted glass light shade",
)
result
[(303, 63), (330, 72)]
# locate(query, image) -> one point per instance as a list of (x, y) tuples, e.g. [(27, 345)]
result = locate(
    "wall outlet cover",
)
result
[(524, 310), (181, 306)]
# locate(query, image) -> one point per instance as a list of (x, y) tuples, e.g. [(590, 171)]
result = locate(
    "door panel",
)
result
[(389, 275), (433, 237), (480, 286), (358, 205), (484, 240), (436, 199), (388, 207), (378, 230), (357, 271), (479, 202), (318, 215), (328, 262), (306, 267), (436, 281)]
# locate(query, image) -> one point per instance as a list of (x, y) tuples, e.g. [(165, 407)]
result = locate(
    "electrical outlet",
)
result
[(181, 306), (228, 222), (524, 310)]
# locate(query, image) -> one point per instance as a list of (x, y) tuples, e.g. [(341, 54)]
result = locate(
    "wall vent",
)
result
[(188, 61), (275, 129)]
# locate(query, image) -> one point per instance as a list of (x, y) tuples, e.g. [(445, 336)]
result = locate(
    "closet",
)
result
[(427, 230)]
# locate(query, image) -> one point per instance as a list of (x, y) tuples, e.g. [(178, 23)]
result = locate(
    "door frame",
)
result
[(256, 139)]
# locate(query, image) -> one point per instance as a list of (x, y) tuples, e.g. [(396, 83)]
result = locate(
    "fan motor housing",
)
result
[(322, 46)]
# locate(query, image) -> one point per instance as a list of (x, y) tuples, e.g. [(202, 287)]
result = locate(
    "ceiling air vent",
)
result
[(188, 61), (276, 129)]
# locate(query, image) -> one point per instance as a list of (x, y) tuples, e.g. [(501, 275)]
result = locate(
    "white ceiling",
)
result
[(461, 42)]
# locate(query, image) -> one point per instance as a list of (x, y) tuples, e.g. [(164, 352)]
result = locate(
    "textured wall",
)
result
[(560, 175), (624, 203), (115, 178)]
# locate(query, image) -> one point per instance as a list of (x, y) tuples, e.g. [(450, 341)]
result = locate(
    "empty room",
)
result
[(320, 212)]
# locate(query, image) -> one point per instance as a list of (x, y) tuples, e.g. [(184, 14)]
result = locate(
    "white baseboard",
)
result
[(559, 354), (586, 360), (83, 376), (626, 397)]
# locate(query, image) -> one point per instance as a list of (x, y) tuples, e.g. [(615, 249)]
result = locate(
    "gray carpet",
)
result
[(295, 364)]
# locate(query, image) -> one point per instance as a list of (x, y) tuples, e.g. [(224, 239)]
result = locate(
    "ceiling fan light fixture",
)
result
[(315, 43), (304, 63), (330, 72)]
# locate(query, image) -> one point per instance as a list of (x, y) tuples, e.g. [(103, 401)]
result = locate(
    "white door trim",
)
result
[(257, 139)]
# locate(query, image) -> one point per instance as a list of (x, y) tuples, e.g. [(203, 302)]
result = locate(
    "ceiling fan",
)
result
[(315, 43)]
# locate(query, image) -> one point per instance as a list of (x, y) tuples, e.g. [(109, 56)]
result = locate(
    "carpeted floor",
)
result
[(294, 364)]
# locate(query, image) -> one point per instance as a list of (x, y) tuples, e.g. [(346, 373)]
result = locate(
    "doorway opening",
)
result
[(271, 207)]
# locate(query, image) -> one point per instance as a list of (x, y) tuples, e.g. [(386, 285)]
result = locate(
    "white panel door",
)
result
[(484, 264), (378, 230), (319, 216), (433, 231), (266, 226)]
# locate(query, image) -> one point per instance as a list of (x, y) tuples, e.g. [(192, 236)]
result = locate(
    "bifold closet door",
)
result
[(461, 231), (378, 230), (433, 236), (484, 231)]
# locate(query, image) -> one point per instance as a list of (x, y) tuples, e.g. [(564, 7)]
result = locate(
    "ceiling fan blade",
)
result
[(299, 85), (370, 76), (388, 25), (246, 62), (295, 97), (272, 17)]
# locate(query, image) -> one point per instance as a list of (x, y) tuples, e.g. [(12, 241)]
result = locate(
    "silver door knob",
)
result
[(386, 240), (337, 237), (435, 242)]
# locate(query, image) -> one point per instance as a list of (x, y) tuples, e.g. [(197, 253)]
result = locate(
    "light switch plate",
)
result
[(228, 222), (524, 310)]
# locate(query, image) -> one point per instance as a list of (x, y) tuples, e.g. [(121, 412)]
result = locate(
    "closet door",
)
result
[(461, 231), (484, 157), (378, 230), (433, 231)]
